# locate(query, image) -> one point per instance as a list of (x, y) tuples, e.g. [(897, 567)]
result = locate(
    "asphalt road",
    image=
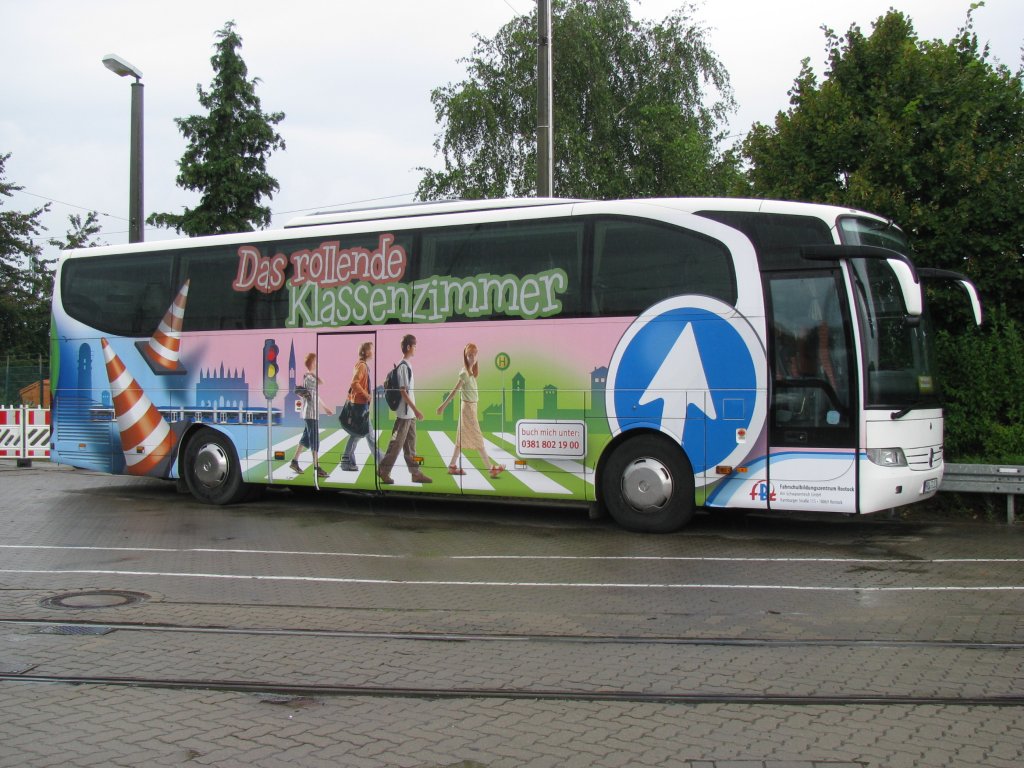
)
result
[(140, 627)]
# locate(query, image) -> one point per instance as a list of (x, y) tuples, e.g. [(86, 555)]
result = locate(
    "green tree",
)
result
[(983, 385), (26, 279), (81, 232), (928, 133), (638, 109), (227, 152)]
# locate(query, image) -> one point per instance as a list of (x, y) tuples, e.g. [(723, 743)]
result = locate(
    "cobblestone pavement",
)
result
[(138, 628), (535, 665), (100, 725)]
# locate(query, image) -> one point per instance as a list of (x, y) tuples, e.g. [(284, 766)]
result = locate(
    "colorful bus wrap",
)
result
[(650, 356)]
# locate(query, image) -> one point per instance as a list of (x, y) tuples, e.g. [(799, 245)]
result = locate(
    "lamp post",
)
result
[(545, 130), (122, 68)]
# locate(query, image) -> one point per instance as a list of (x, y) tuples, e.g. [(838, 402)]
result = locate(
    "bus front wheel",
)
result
[(647, 485), (211, 469)]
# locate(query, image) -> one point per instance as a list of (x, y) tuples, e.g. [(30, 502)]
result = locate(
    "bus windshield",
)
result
[(898, 353)]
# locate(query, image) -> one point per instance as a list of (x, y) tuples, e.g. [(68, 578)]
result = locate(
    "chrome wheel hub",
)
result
[(646, 484), (211, 466)]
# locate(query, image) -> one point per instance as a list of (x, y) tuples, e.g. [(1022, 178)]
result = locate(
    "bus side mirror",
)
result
[(906, 274), (966, 284), (913, 297), (972, 294)]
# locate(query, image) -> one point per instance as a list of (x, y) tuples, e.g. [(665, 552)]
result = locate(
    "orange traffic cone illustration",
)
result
[(162, 351), (146, 438)]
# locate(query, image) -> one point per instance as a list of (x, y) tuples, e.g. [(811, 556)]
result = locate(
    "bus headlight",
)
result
[(887, 457)]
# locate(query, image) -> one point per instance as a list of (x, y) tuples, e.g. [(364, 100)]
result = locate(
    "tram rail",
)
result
[(683, 697), (289, 691), (519, 637)]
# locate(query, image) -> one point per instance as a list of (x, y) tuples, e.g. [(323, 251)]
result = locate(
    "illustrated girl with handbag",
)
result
[(311, 404), (355, 415), (469, 437)]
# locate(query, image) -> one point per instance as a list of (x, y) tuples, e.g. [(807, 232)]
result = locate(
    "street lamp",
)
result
[(545, 130), (122, 68)]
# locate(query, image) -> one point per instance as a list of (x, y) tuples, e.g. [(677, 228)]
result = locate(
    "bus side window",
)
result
[(126, 296), (637, 264), (212, 304), (154, 299), (520, 249)]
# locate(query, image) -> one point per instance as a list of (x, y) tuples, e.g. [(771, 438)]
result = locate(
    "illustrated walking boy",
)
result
[(403, 436)]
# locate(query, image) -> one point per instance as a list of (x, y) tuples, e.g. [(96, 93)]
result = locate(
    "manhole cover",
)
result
[(96, 599)]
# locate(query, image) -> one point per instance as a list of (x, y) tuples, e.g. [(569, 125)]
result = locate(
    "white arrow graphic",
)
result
[(681, 380)]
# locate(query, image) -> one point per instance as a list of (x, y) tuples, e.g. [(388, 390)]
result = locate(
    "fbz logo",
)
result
[(762, 490)]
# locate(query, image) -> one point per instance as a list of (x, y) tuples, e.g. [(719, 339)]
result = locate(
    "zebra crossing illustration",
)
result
[(539, 477)]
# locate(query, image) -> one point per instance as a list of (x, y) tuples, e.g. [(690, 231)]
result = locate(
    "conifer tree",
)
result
[(226, 157)]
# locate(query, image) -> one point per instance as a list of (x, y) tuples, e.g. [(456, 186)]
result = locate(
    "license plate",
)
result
[(931, 485)]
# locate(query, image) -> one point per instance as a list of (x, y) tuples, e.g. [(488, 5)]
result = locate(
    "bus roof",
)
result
[(825, 211), (433, 208), (499, 207)]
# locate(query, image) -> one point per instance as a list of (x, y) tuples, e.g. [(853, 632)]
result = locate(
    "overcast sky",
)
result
[(353, 78)]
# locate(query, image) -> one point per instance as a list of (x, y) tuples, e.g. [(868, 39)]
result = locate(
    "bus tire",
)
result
[(647, 485), (211, 469)]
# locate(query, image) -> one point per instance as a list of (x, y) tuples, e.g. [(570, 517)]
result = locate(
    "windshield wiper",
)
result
[(904, 411)]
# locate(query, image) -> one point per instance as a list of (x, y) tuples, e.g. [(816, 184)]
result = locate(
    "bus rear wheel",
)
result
[(647, 485), (212, 471)]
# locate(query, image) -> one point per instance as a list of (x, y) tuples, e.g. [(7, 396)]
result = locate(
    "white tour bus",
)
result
[(650, 356)]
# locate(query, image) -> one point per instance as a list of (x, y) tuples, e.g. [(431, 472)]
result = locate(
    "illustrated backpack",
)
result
[(392, 390)]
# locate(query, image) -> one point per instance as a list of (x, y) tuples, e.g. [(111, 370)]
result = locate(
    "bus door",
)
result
[(812, 436), (348, 460)]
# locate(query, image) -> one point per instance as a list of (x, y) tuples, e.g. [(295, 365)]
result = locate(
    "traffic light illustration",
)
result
[(270, 369)]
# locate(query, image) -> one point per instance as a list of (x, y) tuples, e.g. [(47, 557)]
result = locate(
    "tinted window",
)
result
[(856, 231), (212, 303), (637, 264), (129, 295), (119, 295), (495, 270), (228, 288), (777, 237)]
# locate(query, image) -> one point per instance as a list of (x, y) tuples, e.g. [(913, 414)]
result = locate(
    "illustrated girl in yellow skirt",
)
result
[(469, 437)]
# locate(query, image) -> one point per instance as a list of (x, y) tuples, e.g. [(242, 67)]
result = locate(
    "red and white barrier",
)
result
[(24, 432)]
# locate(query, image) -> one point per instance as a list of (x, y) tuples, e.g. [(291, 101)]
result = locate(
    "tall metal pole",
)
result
[(122, 68), (545, 130), (135, 187)]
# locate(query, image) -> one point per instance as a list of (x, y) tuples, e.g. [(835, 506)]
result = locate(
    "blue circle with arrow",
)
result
[(687, 368)]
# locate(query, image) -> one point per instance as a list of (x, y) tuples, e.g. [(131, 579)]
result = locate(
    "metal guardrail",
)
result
[(986, 478)]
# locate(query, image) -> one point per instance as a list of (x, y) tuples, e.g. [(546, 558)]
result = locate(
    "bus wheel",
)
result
[(211, 469), (647, 485)]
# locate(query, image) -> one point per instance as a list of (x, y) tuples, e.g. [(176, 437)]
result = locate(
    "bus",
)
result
[(650, 357)]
